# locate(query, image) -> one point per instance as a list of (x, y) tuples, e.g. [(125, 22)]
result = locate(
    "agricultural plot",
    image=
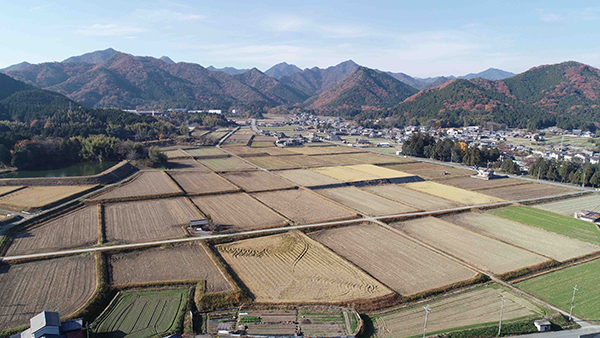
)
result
[(557, 289), (307, 178), (432, 171), (62, 284), (471, 308), (76, 229), (238, 211), (8, 189), (204, 152), (305, 161), (373, 158), (142, 314), (36, 198), (570, 206), (185, 262), (186, 164), (260, 144), (567, 226), (258, 181), (148, 183), (459, 195), (347, 174), (542, 242), (326, 322), (303, 206), (226, 164), (244, 151), (269, 322), (276, 151), (176, 153), (481, 251), (364, 202), (340, 159), (262, 138), (271, 162), (291, 267), (324, 150), (201, 183), (148, 220), (470, 183), (526, 191), (399, 263), (415, 199)]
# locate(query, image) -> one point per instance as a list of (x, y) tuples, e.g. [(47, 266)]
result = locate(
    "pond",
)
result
[(79, 169)]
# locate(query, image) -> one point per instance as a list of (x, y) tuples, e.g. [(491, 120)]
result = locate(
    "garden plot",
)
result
[(481, 251), (148, 220), (291, 267), (471, 183), (187, 164), (146, 184), (459, 195), (542, 242), (432, 171), (75, 229), (307, 178), (36, 198), (238, 211), (364, 202), (525, 191), (570, 206), (205, 152), (61, 284), (227, 164), (272, 162), (415, 199), (258, 181), (303, 206), (202, 183), (184, 262), (399, 263)]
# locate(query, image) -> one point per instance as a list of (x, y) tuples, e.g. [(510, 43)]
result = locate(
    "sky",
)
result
[(421, 38)]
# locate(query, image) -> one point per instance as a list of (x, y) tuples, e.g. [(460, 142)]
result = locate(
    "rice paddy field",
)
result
[(481, 251), (470, 183), (557, 289), (526, 191), (324, 150), (204, 152), (303, 206), (8, 189), (307, 178), (61, 284), (563, 225), (374, 158), (147, 183), (183, 262), (407, 268), (454, 194), (244, 151), (176, 153), (41, 197), (305, 161), (546, 243), (186, 164), (569, 206), (293, 268), (226, 164), (142, 314), (276, 151), (148, 220), (450, 313), (238, 211), (360, 172), (76, 229), (272, 162), (415, 199), (364, 202), (252, 181), (260, 144), (202, 183), (431, 171)]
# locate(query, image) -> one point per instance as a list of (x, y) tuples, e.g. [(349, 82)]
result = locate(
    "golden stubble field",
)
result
[(147, 183), (194, 182), (258, 181), (35, 198), (451, 193), (364, 202), (292, 268), (413, 198)]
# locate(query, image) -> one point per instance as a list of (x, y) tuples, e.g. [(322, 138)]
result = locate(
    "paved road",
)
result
[(564, 334)]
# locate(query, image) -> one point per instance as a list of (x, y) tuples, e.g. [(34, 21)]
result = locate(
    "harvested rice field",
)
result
[(470, 183), (272, 162), (347, 174), (542, 242), (252, 181), (238, 212), (36, 198), (340, 159), (364, 202), (293, 268), (8, 189), (373, 158), (203, 152), (399, 263), (201, 183), (481, 251), (61, 284), (176, 153), (380, 172), (459, 195), (432, 171), (415, 199), (307, 178), (276, 151), (147, 183), (324, 150), (570, 206), (305, 161), (263, 143), (526, 191), (303, 206), (462, 310), (244, 151), (148, 220), (187, 164), (226, 164), (76, 229), (183, 262)]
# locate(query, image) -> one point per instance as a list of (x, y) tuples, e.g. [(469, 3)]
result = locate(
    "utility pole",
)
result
[(583, 181), (572, 302), (427, 312), (501, 313)]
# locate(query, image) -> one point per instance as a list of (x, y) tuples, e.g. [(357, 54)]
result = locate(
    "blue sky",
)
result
[(419, 37)]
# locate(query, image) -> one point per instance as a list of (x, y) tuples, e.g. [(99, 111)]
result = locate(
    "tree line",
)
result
[(566, 172)]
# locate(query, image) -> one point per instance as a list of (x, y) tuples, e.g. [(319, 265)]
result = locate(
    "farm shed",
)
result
[(542, 325)]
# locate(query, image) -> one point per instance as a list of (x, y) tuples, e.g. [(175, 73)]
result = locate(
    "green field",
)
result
[(559, 224), (142, 314), (557, 289)]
